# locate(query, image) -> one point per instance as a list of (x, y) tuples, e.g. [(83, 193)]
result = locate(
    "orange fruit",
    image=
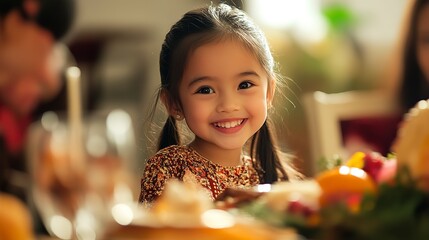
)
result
[(15, 218), (345, 184)]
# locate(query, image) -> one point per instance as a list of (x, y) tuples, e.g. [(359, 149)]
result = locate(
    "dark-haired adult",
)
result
[(408, 75), (29, 74)]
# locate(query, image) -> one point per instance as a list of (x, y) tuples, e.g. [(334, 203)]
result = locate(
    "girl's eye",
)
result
[(205, 90), (245, 85)]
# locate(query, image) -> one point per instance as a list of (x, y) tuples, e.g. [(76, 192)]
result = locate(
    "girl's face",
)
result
[(224, 94), (423, 41)]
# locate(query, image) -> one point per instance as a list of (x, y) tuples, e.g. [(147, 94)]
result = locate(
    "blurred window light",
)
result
[(303, 18)]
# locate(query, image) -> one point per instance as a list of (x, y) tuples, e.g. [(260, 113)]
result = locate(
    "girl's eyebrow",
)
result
[(248, 73), (199, 79), (242, 74)]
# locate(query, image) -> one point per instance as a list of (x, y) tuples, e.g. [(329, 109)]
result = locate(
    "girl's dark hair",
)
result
[(195, 28), (56, 16), (414, 85), (263, 147)]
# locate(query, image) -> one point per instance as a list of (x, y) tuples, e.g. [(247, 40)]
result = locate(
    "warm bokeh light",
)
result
[(303, 18), (263, 187), (122, 214), (61, 227), (215, 218), (96, 146), (49, 120), (118, 125), (73, 72)]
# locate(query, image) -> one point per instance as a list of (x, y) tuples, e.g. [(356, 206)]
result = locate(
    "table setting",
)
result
[(80, 169), (82, 189), (368, 196)]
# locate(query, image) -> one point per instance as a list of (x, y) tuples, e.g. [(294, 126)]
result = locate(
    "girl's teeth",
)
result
[(228, 124)]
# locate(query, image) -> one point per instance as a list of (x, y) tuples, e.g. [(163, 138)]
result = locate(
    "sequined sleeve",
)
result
[(164, 165)]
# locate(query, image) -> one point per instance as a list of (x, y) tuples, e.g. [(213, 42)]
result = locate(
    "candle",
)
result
[(76, 152)]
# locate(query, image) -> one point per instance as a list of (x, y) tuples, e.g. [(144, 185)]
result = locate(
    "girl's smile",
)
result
[(229, 126)]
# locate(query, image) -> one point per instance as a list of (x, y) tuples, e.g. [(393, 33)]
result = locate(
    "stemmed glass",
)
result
[(81, 185)]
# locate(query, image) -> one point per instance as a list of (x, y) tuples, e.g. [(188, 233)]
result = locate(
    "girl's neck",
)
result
[(220, 156)]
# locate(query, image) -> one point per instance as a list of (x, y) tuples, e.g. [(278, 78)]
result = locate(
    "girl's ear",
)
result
[(270, 91), (172, 108)]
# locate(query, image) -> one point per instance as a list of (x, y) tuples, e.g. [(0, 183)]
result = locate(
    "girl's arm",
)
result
[(159, 169)]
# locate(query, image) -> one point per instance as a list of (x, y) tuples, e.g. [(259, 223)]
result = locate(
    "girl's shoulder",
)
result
[(173, 149), (172, 153)]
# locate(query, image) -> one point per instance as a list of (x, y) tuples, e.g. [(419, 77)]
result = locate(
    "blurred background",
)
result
[(326, 45)]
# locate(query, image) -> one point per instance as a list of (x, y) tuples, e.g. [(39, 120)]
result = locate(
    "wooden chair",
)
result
[(324, 113)]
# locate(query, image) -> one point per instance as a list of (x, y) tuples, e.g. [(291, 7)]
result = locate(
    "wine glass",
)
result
[(81, 185)]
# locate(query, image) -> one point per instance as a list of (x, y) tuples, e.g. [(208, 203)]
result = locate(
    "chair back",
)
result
[(326, 112)]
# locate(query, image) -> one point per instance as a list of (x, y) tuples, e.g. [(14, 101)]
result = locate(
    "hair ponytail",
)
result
[(267, 159), (169, 134)]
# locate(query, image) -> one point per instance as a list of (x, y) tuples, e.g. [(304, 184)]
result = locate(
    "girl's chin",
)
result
[(231, 145)]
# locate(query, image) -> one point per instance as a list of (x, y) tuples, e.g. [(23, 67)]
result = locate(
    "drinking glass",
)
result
[(82, 185)]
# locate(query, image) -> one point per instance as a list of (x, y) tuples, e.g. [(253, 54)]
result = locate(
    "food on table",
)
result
[(378, 167), (235, 197), (181, 205), (387, 172), (294, 195), (15, 219), (412, 144), (344, 184), (185, 211), (370, 197)]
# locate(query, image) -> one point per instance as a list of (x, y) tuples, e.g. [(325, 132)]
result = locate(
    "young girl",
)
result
[(217, 74)]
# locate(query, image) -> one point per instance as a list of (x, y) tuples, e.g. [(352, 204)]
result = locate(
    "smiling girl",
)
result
[(217, 75)]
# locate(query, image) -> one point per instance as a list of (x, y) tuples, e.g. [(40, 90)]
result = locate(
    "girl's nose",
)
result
[(228, 103)]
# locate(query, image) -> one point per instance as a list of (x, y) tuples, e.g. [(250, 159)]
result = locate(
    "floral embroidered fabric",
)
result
[(185, 164)]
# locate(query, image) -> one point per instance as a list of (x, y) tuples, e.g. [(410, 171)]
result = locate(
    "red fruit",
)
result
[(373, 163), (387, 172), (297, 207)]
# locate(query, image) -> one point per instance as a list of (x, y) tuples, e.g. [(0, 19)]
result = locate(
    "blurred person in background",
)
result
[(411, 81), (29, 75), (408, 83)]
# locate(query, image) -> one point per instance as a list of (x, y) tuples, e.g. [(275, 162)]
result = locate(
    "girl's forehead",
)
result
[(223, 42), (222, 56), (224, 49)]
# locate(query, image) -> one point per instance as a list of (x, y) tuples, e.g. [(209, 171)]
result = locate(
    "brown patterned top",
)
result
[(185, 164)]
